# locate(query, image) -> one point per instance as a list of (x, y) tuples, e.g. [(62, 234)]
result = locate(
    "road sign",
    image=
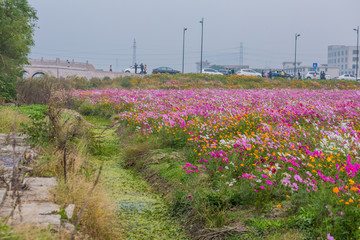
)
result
[(315, 65)]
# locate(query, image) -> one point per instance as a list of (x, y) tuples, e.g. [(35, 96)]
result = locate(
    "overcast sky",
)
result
[(103, 31)]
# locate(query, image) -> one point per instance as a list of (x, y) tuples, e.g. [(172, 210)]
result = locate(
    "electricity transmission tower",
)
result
[(134, 53), (241, 58)]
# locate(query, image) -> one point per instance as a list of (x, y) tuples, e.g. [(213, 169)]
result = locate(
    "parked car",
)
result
[(165, 70), (225, 71), (248, 72), (131, 69), (211, 71), (347, 77), (286, 75), (310, 75)]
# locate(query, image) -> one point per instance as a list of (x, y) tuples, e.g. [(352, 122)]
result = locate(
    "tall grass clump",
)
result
[(7, 114)]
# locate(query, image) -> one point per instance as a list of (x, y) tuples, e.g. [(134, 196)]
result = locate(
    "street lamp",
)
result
[(183, 49), (296, 36), (357, 51), (202, 38)]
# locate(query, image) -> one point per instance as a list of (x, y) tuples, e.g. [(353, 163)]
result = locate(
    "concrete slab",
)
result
[(36, 213)]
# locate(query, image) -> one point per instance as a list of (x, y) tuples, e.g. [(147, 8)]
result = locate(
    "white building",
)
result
[(343, 57), (332, 71)]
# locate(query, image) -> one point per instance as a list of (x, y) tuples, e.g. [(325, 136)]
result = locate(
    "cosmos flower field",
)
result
[(269, 139)]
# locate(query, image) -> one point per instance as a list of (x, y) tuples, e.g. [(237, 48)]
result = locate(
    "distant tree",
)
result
[(17, 23)]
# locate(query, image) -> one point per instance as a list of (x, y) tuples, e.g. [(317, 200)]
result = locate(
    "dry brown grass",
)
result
[(99, 218), (7, 119), (25, 232)]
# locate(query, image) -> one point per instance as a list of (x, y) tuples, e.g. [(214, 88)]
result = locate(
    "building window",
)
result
[(346, 52), (342, 59), (354, 51), (353, 66), (346, 59), (342, 53), (354, 59), (345, 66)]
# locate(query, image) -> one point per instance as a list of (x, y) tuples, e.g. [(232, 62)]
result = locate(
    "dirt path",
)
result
[(142, 213)]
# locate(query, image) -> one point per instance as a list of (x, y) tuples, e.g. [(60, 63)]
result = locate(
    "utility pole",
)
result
[(357, 51), (202, 40), (183, 57), (134, 53), (241, 59), (296, 36)]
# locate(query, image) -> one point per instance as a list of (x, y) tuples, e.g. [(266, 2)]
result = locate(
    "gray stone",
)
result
[(8, 149), (25, 169), (2, 196), (69, 210), (36, 207), (38, 189), (36, 213), (67, 227)]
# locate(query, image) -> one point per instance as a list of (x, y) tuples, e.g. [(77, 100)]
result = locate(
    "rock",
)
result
[(67, 227), (30, 156), (2, 195), (69, 210), (24, 169)]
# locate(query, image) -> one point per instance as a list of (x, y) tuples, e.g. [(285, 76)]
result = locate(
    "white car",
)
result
[(310, 75), (347, 77), (211, 71), (132, 70), (248, 72)]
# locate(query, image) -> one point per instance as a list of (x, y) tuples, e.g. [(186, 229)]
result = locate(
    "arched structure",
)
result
[(38, 75), (63, 69)]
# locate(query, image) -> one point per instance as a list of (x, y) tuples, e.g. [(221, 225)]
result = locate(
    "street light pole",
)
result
[(357, 51), (202, 38), (183, 49), (296, 36)]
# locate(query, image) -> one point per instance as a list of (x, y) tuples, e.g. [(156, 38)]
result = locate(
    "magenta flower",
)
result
[(329, 237)]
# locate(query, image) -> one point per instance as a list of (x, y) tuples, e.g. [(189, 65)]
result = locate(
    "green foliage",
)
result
[(38, 128), (180, 205), (321, 213), (125, 82), (16, 37), (6, 233), (7, 86), (262, 227), (88, 109), (95, 82)]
